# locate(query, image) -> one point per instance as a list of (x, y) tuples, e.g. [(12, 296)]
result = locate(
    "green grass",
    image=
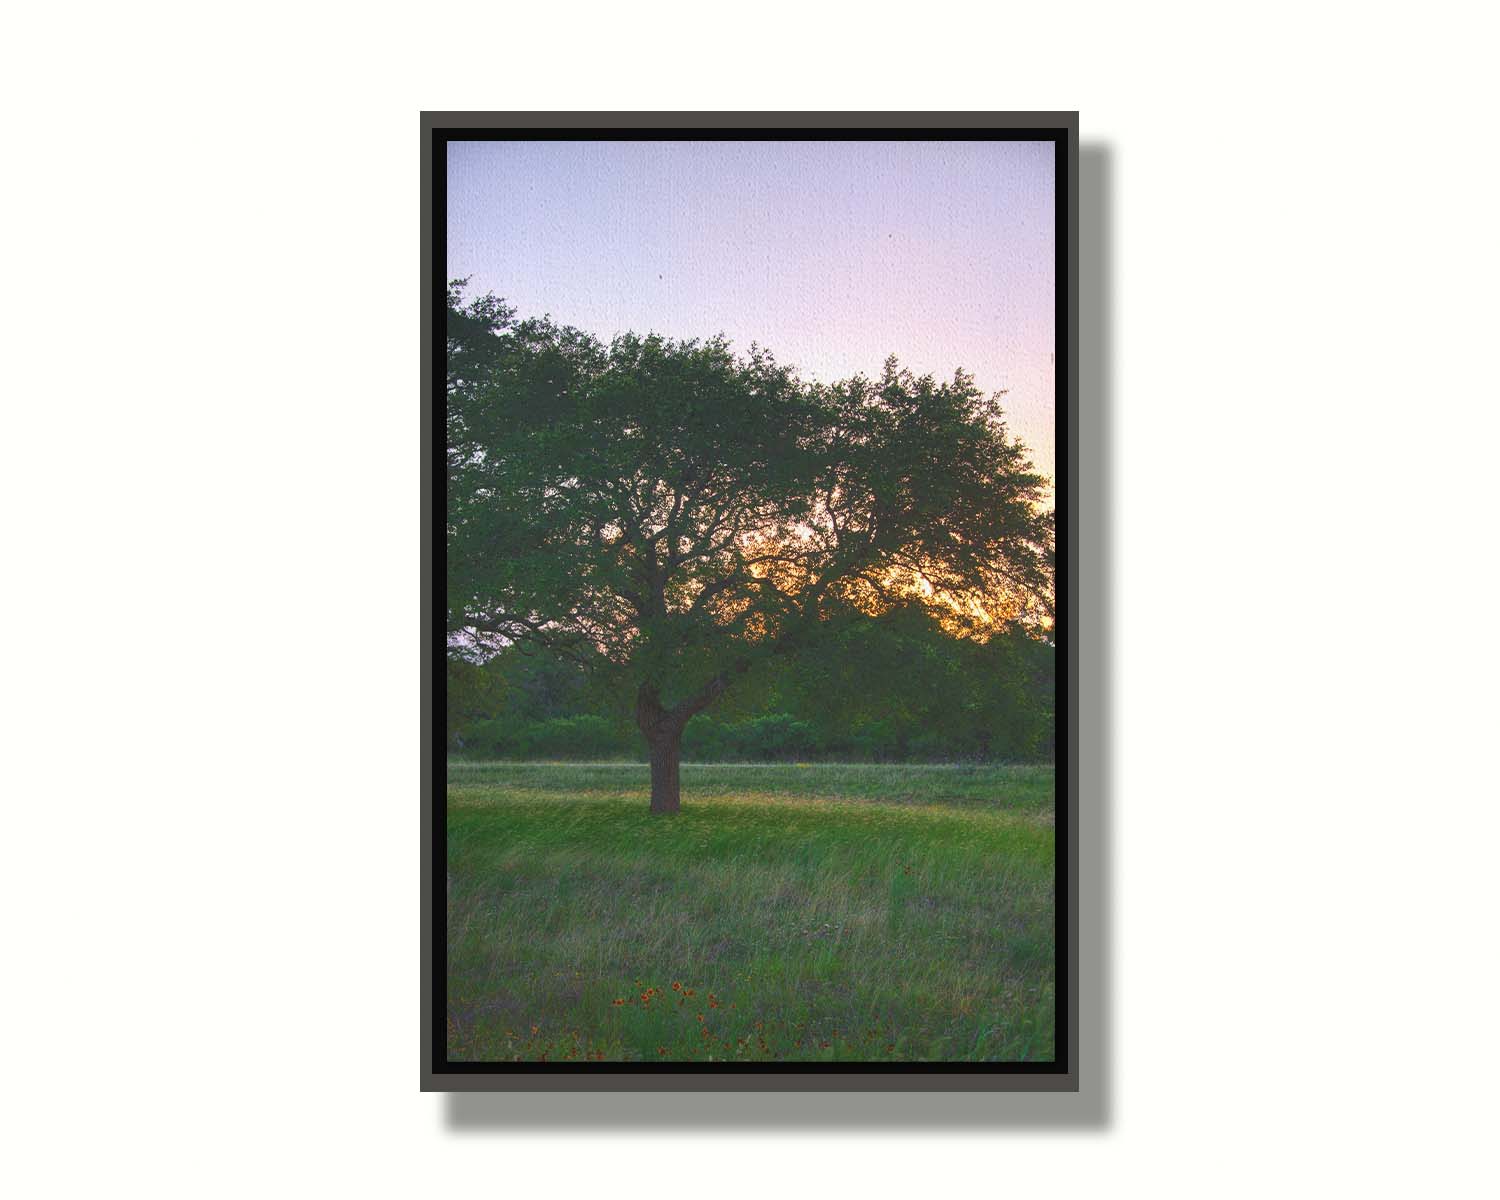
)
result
[(806, 913)]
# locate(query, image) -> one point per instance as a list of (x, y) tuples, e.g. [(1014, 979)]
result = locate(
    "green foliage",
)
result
[(666, 514), (776, 737), (474, 692), (584, 738), (871, 913), (898, 688), (890, 689)]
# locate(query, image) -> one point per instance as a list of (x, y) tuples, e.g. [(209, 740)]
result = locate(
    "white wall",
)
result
[(211, 867)]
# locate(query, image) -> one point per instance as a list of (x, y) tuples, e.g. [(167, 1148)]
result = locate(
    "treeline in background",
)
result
[(891, 689)]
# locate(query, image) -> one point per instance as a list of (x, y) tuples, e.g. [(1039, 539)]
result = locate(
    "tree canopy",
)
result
[(668, 513)]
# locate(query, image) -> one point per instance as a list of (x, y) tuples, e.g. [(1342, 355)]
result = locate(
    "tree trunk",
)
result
[(662, 728), (663, 733), (666, 758)]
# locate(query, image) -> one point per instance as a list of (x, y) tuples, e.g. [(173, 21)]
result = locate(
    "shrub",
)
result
[(582, 737), (574, 737), (775, 738), (778, 737), (706, 740), (879, 741)]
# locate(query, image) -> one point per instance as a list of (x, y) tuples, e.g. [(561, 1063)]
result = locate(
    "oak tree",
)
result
[(668, 513)]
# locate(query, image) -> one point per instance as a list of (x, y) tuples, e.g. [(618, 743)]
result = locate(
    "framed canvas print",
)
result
[(747, 615)]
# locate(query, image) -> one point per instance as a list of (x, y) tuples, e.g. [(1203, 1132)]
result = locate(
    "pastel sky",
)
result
[(830, 254)]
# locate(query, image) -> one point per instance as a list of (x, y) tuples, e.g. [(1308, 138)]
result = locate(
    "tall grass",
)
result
[(803, 913)]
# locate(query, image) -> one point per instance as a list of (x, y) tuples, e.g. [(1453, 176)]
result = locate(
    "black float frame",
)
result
[(437, 1074)]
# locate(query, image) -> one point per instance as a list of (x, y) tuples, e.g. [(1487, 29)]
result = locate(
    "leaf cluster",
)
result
[(673, 511)]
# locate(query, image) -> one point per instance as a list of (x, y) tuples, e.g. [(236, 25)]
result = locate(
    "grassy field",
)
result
[(788, 913)]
